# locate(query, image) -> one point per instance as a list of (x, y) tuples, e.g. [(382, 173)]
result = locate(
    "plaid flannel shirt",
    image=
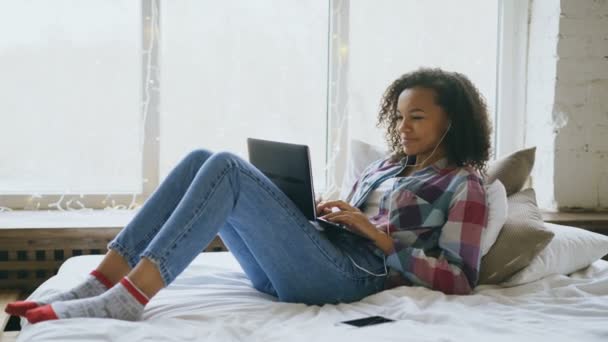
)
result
[(435, 218)]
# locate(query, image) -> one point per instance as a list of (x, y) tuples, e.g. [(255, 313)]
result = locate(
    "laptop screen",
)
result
[(288, 167)]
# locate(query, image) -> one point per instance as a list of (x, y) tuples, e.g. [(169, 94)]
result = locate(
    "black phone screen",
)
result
[(371, 320)]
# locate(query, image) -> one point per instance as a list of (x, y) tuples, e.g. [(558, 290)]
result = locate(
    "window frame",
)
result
[(509, 115), (150, 86), (511, 76), (510, 103)]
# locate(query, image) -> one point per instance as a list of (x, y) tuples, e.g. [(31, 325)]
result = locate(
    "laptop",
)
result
[(288, 167)]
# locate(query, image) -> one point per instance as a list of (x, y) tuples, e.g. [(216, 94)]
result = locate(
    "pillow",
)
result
[(512, 170), (570, 250), (496, 197), (360, 155), (521, 238)]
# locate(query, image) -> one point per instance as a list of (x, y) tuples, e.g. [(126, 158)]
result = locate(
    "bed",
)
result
[(213, 300), (561, 294)]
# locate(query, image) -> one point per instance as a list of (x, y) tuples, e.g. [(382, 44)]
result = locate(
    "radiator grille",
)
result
[(28, 257)]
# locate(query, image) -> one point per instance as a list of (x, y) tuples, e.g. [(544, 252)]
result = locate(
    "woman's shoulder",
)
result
[(465, 178), (381, 164), (467, 172)]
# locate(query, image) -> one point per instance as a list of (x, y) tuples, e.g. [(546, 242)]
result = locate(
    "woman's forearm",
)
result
[(384, 242)]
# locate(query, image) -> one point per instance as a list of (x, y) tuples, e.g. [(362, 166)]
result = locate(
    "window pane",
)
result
[(391, 37), (71, 97), (238, 69)]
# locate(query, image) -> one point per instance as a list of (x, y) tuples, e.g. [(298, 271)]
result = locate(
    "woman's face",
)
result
[(421, 124)]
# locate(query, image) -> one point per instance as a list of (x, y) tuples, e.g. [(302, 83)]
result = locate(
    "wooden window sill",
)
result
[(592, 221), (51, 219)]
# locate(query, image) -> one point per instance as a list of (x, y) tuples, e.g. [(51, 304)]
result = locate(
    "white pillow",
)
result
[(570, 250), (360, 155), (496, 196)]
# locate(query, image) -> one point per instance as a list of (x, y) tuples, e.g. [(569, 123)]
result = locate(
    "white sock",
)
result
[(91, 287), (123, 301)]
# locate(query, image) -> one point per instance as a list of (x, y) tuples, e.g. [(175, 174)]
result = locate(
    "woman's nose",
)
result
[(405, 126)]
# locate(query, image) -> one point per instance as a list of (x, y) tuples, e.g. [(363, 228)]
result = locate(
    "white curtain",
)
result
[(103, 98)]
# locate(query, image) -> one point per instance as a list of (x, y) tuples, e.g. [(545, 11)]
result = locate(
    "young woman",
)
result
[(423, 209)]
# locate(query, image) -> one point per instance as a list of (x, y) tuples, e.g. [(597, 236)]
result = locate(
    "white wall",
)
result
[(567, 102)]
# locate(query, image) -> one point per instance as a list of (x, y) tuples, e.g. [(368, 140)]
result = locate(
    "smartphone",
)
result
[(371, 320)]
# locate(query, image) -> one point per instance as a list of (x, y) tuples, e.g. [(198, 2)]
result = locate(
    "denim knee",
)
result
[(199, 154), (265, 288), (225, 155)]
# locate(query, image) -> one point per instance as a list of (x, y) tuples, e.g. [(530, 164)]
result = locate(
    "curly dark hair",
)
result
[(468, 141)]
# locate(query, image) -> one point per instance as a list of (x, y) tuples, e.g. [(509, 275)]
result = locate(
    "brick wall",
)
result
[(567, 102)]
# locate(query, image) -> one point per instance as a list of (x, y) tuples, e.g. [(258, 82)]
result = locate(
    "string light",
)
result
[(339, 72), (152, 73), (151, 40), (58, 203)]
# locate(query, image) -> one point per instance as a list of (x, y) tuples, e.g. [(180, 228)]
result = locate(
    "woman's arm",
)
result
[(384, 242), (456, 269)]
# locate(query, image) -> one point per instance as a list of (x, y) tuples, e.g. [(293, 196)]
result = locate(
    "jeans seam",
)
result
[(145, 241), (140, 245), (160, 264), (126, 252), (123, 251), (196, 214)]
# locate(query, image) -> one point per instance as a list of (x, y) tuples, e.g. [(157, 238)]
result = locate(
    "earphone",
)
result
[(436, 146), (363, 269), (389, 203)]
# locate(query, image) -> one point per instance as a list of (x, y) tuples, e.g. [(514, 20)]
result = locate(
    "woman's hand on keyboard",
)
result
[(319, 200), (326, 207), (356, 221)]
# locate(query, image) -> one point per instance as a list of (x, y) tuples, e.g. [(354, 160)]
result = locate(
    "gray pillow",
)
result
[(521, 238), (512, 170)]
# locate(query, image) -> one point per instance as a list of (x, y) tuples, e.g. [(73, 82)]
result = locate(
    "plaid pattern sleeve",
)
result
[(455, 268)]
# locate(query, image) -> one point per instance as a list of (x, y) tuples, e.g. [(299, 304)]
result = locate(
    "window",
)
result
[(237, 69), (401, 35), (95, 115), (71, 97), (379, 41)]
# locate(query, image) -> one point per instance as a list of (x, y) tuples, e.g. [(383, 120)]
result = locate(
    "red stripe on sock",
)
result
[(133, 290), (102, 278), (19, 308), (39, 314)]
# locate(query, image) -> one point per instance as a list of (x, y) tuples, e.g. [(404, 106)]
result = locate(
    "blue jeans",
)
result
[(281, 252)]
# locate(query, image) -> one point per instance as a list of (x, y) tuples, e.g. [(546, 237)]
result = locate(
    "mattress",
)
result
[(213, 300)]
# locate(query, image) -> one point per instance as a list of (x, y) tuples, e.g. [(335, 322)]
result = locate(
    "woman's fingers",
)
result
[(339, 204), (356, 222), (335, 214), (322, 211)]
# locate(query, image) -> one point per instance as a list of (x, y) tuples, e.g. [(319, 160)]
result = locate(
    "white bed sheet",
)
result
[(213, 300)]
